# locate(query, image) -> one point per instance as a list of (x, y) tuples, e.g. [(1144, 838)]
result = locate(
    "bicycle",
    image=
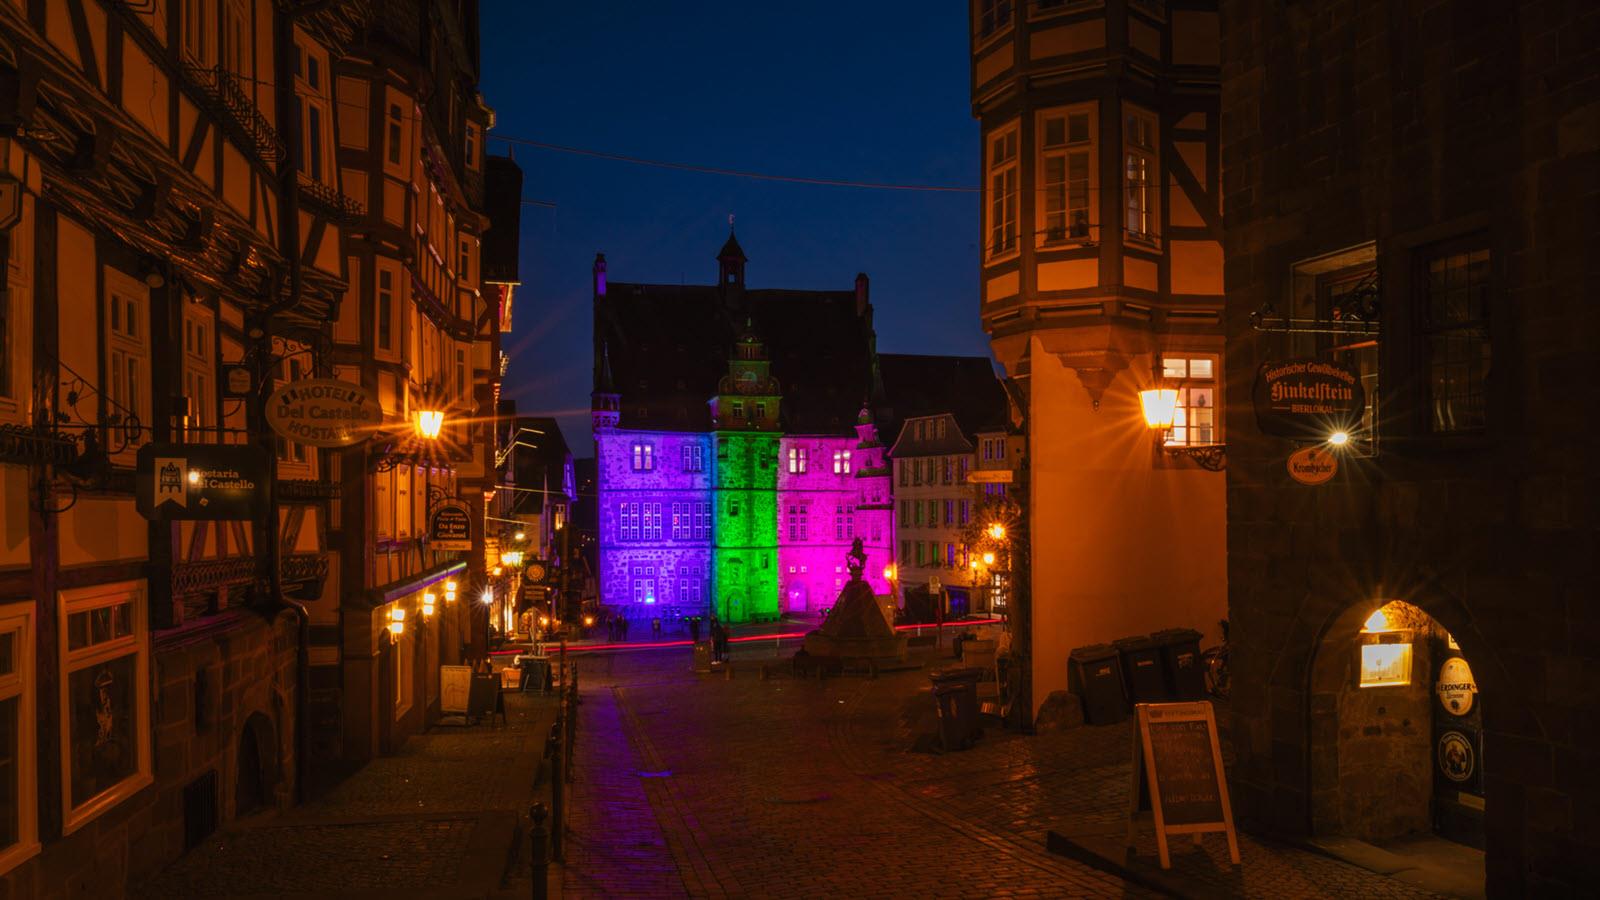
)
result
[(1216, 660)]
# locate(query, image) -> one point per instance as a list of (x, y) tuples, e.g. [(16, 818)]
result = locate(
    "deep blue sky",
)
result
[(872, 91)]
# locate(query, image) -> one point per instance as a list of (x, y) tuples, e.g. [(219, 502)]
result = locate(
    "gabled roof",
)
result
[(964, 386), (669, 345)]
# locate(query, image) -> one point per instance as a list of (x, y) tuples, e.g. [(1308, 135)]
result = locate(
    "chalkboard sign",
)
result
[(454, 684), (485, 689), (1178, 775)]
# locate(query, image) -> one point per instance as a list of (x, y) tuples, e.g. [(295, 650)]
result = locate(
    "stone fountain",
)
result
[(855, 628)]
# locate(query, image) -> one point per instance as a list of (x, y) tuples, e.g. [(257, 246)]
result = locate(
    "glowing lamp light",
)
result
[(588, 621), (194, 476), (974, 565), (495, 571), (1160, 407), (988, 559), (488, 597), (997, 531), (430, 422), (449, 592), (521, 536), (888, 572), (1339, 438), (427, 604), (1378, 621), (544, 621), (397, 621)]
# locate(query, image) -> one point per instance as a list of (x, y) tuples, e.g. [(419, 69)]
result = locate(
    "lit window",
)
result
[(841, 462), (1195, 420), (797, 460), (105, 700), (1139, 150), (1003, 192), (644, 458)]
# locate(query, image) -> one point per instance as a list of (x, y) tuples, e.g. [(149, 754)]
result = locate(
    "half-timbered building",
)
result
[(202, 201), (1102, 277)]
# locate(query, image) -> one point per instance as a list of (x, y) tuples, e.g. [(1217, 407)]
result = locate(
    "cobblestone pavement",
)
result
[(435, 819), (780, 788)]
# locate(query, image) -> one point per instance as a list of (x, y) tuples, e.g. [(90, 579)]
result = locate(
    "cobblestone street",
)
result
[(704, 786), (708, 787)]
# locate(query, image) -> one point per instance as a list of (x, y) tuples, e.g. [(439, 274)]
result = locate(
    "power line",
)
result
[(737, 173)]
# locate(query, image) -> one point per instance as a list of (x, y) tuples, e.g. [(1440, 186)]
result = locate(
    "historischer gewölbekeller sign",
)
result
[(1307, 399)]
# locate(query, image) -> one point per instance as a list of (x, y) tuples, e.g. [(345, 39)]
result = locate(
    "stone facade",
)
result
[(222, 715), (1418, 130)]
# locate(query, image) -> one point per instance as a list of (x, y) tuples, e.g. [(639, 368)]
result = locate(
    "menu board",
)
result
[(454, 685), (1178, 775)]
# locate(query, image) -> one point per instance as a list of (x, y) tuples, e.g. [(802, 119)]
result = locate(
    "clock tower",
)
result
[(744, 422)]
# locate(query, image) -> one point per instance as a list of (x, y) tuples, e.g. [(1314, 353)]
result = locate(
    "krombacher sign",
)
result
[(1307, 399)]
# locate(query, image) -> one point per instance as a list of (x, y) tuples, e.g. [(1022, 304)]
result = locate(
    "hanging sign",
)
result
[(200, 481), (1307, 399), (324, 412), (989, 476), (237, 381), (1456, 687), (1178, 775), (450, 527), (536, 571), (1315, 464)]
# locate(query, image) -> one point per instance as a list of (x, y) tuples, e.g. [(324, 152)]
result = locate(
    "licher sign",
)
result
[(324, 412), (1307, 399), (1313, 465), (199, 481)]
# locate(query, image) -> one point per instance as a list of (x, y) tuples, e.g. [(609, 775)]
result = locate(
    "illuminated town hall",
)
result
[(737, 452)]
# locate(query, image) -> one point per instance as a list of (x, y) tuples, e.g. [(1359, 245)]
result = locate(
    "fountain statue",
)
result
[(855, 628)]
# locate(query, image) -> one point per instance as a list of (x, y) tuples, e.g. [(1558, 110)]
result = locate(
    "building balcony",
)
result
[(331, 202), (230, 104)]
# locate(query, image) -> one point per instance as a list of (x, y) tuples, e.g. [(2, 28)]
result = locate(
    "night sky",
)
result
[(850, 91)]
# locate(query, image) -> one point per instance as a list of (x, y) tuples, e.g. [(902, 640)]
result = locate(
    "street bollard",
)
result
[(540, 863), (557, 785)]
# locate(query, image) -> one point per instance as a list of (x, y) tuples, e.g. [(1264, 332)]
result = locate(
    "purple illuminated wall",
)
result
[(655, 522)]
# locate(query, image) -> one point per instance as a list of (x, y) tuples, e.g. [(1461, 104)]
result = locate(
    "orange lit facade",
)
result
[(1102, 276)]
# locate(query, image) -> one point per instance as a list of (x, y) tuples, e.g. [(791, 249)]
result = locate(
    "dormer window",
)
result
[(738, 409)]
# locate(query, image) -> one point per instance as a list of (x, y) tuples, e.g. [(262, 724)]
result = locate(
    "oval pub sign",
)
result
[(1456, 688), (1313, 465), (1307, 399), (324, 412)]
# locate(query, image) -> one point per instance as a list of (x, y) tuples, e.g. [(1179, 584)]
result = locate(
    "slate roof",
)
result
[(669, 345), (964, 386)]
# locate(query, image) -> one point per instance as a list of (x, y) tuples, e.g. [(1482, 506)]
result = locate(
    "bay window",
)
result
[(1194, 423), (1139, 150), (1002, 186), (1066, 161)]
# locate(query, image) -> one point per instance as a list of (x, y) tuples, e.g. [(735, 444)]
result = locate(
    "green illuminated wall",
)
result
[(745, 548)]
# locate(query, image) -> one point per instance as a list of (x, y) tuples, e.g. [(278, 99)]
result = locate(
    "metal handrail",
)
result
[(232, 105)]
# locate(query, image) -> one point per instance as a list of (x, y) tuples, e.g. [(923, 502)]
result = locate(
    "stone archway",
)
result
[(1380, 734), (255, 776)]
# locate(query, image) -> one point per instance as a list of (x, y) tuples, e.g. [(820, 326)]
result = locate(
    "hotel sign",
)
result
[(1307, 399), (199, 481), (324, 412)]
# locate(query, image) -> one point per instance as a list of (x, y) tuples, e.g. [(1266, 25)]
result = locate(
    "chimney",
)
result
[(861, 294), (599, 274)]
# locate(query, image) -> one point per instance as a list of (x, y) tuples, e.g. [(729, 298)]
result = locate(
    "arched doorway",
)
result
[(256, 765), (1396, 743)]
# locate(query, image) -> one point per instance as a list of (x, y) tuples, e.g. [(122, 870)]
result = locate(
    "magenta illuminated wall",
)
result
[(825, 500)]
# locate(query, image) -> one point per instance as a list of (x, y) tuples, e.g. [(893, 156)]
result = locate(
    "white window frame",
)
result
[(199, 371), (797, 460), (128, 351), (196, 38), (314, 95), (1191, 391), (1069, 191), (1002, 195), (135, 644), (21, 683), (1141, 167)]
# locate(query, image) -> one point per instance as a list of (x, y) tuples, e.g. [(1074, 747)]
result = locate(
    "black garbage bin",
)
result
[(1143, 669), (955, 694), (1186, 670), (1094, 673)]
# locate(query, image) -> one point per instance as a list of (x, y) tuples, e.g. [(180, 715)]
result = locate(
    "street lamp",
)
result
[(397, 621), (430, 422), (427, 604), (520, 536), (449, 592), (1160, 407), (997, 531)]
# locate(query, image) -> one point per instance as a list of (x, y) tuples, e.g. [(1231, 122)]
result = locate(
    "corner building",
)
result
[(1413, 195), (1101, 277), (736, 461)]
